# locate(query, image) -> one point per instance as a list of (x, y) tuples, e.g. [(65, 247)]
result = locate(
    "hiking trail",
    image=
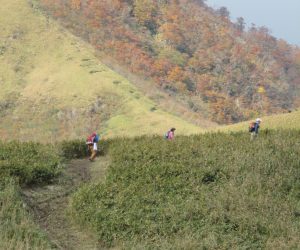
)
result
[(49, 205)]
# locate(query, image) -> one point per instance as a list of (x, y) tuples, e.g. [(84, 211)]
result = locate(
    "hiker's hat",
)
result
[(258, 120)]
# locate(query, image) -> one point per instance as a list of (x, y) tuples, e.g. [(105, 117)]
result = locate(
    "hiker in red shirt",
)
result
[(92, 142)]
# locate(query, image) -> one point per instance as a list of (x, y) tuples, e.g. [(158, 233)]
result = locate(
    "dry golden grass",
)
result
[(61, 90), (280, 121)]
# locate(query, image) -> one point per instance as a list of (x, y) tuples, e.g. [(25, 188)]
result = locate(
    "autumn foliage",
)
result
[(187, 48)]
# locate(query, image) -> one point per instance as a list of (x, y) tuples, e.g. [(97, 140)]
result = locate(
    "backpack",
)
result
[(93, 139), (251, 127), (96, 138), (166, 135), (89, 140)]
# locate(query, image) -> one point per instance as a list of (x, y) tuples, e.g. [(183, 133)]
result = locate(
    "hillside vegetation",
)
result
[(191, 51), (30, 163), (281, 121), (214, 191), (210, 191), (35, 184), (53, 87), (17, 229), (21, 165)]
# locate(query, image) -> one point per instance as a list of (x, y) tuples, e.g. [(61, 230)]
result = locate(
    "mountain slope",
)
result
[(53, 87), (190, 51), (280, 121)]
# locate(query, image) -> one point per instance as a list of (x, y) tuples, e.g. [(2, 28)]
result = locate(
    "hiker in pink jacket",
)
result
[(171, 134)]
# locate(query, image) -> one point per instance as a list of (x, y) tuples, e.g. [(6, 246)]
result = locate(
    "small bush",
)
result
[(153, 109), (73, 149), (116, 82), (77, 149)]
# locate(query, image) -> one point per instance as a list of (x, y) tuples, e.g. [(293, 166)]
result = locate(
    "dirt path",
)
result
[(49, 205)]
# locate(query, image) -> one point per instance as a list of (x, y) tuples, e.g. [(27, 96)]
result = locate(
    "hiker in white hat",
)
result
[(254, 128)]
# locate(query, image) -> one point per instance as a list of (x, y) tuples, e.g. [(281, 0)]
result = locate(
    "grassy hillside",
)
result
[(53, 87), (36, 181), (213, 191), (281, 121)]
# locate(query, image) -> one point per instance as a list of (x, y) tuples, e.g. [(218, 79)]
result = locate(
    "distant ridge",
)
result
[(192, 52)]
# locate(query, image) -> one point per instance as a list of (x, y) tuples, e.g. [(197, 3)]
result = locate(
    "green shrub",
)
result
[(73, 149), (31, 163), (209, 191), (77, 149)]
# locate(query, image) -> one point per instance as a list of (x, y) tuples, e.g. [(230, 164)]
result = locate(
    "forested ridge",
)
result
[(188, 49)]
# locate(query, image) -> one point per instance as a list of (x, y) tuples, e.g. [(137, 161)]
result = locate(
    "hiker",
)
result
[(254, 127), (170, 134), (92, 143)]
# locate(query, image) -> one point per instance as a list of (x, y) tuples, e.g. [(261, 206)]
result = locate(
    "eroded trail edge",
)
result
[(49, 205)]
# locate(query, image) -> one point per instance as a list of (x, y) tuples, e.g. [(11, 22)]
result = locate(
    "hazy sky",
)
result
[(282, 17)]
